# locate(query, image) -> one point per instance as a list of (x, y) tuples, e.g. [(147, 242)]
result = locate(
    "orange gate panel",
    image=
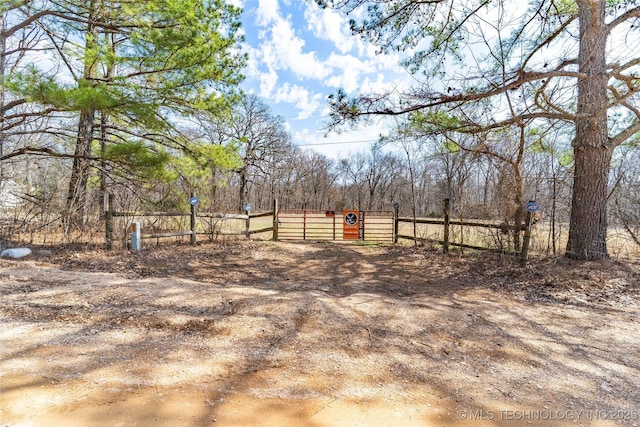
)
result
[(351, 225)]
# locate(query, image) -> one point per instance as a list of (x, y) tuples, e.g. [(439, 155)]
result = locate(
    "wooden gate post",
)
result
[(108, 222), (192, 238), (445, 237), (396, 207), (334, 225), (247, 225), (524, 255), (275, 220)]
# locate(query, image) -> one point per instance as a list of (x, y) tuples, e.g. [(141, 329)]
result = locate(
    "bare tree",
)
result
[(353, 171), (260, 137)]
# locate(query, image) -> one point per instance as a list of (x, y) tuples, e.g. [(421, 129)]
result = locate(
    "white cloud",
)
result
[(378, 84), (237, 3), (268, 83), (327, 24), (253, 62), (288, 52), (280, 49), (267, 12), (348, 72), (300, 97), (260, 72)]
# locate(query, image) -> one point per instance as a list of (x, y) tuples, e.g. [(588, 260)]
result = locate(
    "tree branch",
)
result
[(633, 13), (625, 134), (12, 104), (346, 110), (549, 39), (39, 151)]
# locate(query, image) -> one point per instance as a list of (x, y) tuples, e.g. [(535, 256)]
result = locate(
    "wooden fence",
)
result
[(193, 231), (446, 223)]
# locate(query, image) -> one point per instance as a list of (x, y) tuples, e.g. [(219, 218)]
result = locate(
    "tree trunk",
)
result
[(518, 213), (243, 189), (588, 226), (592, 148), (77, 197), (104, 122), (3, 46)]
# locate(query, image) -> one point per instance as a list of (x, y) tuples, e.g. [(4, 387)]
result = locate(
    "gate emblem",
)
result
[(351, 218)]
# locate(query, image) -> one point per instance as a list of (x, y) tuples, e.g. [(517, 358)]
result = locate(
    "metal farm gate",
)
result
[(302, 224)]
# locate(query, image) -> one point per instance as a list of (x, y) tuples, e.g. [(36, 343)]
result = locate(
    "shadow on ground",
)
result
[(315, 334)]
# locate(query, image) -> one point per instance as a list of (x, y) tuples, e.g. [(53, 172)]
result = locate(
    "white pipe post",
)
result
[(135, 236)]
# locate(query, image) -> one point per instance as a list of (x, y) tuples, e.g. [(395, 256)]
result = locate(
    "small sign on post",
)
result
[(135, 236)]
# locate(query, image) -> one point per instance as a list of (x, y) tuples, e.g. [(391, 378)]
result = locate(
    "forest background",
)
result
[(143, 101)]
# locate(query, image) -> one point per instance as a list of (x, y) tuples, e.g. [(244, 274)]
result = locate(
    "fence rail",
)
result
[(193, 230), (446, 223), (325, 225)]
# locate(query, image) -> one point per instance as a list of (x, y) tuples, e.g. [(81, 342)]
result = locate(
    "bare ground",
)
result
[(292, 334)]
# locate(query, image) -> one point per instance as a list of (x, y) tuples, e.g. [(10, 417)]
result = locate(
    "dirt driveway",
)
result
[(309, 334)]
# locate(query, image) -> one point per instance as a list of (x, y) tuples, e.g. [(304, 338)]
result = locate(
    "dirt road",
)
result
[(308, 334)]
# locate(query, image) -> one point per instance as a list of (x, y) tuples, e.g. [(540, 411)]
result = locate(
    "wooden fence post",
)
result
[(445, 237), (524, 255), (192, 227), (334, 225), (108, 221), (247, 225), (275, 220), (396, 207)]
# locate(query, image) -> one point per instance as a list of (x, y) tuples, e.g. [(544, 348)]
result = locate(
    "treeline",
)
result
[(265, 164)]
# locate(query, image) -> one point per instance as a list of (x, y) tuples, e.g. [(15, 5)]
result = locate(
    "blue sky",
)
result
[(298, 55)]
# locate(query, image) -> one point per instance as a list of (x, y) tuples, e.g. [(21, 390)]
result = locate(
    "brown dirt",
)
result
[(291, 334)]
